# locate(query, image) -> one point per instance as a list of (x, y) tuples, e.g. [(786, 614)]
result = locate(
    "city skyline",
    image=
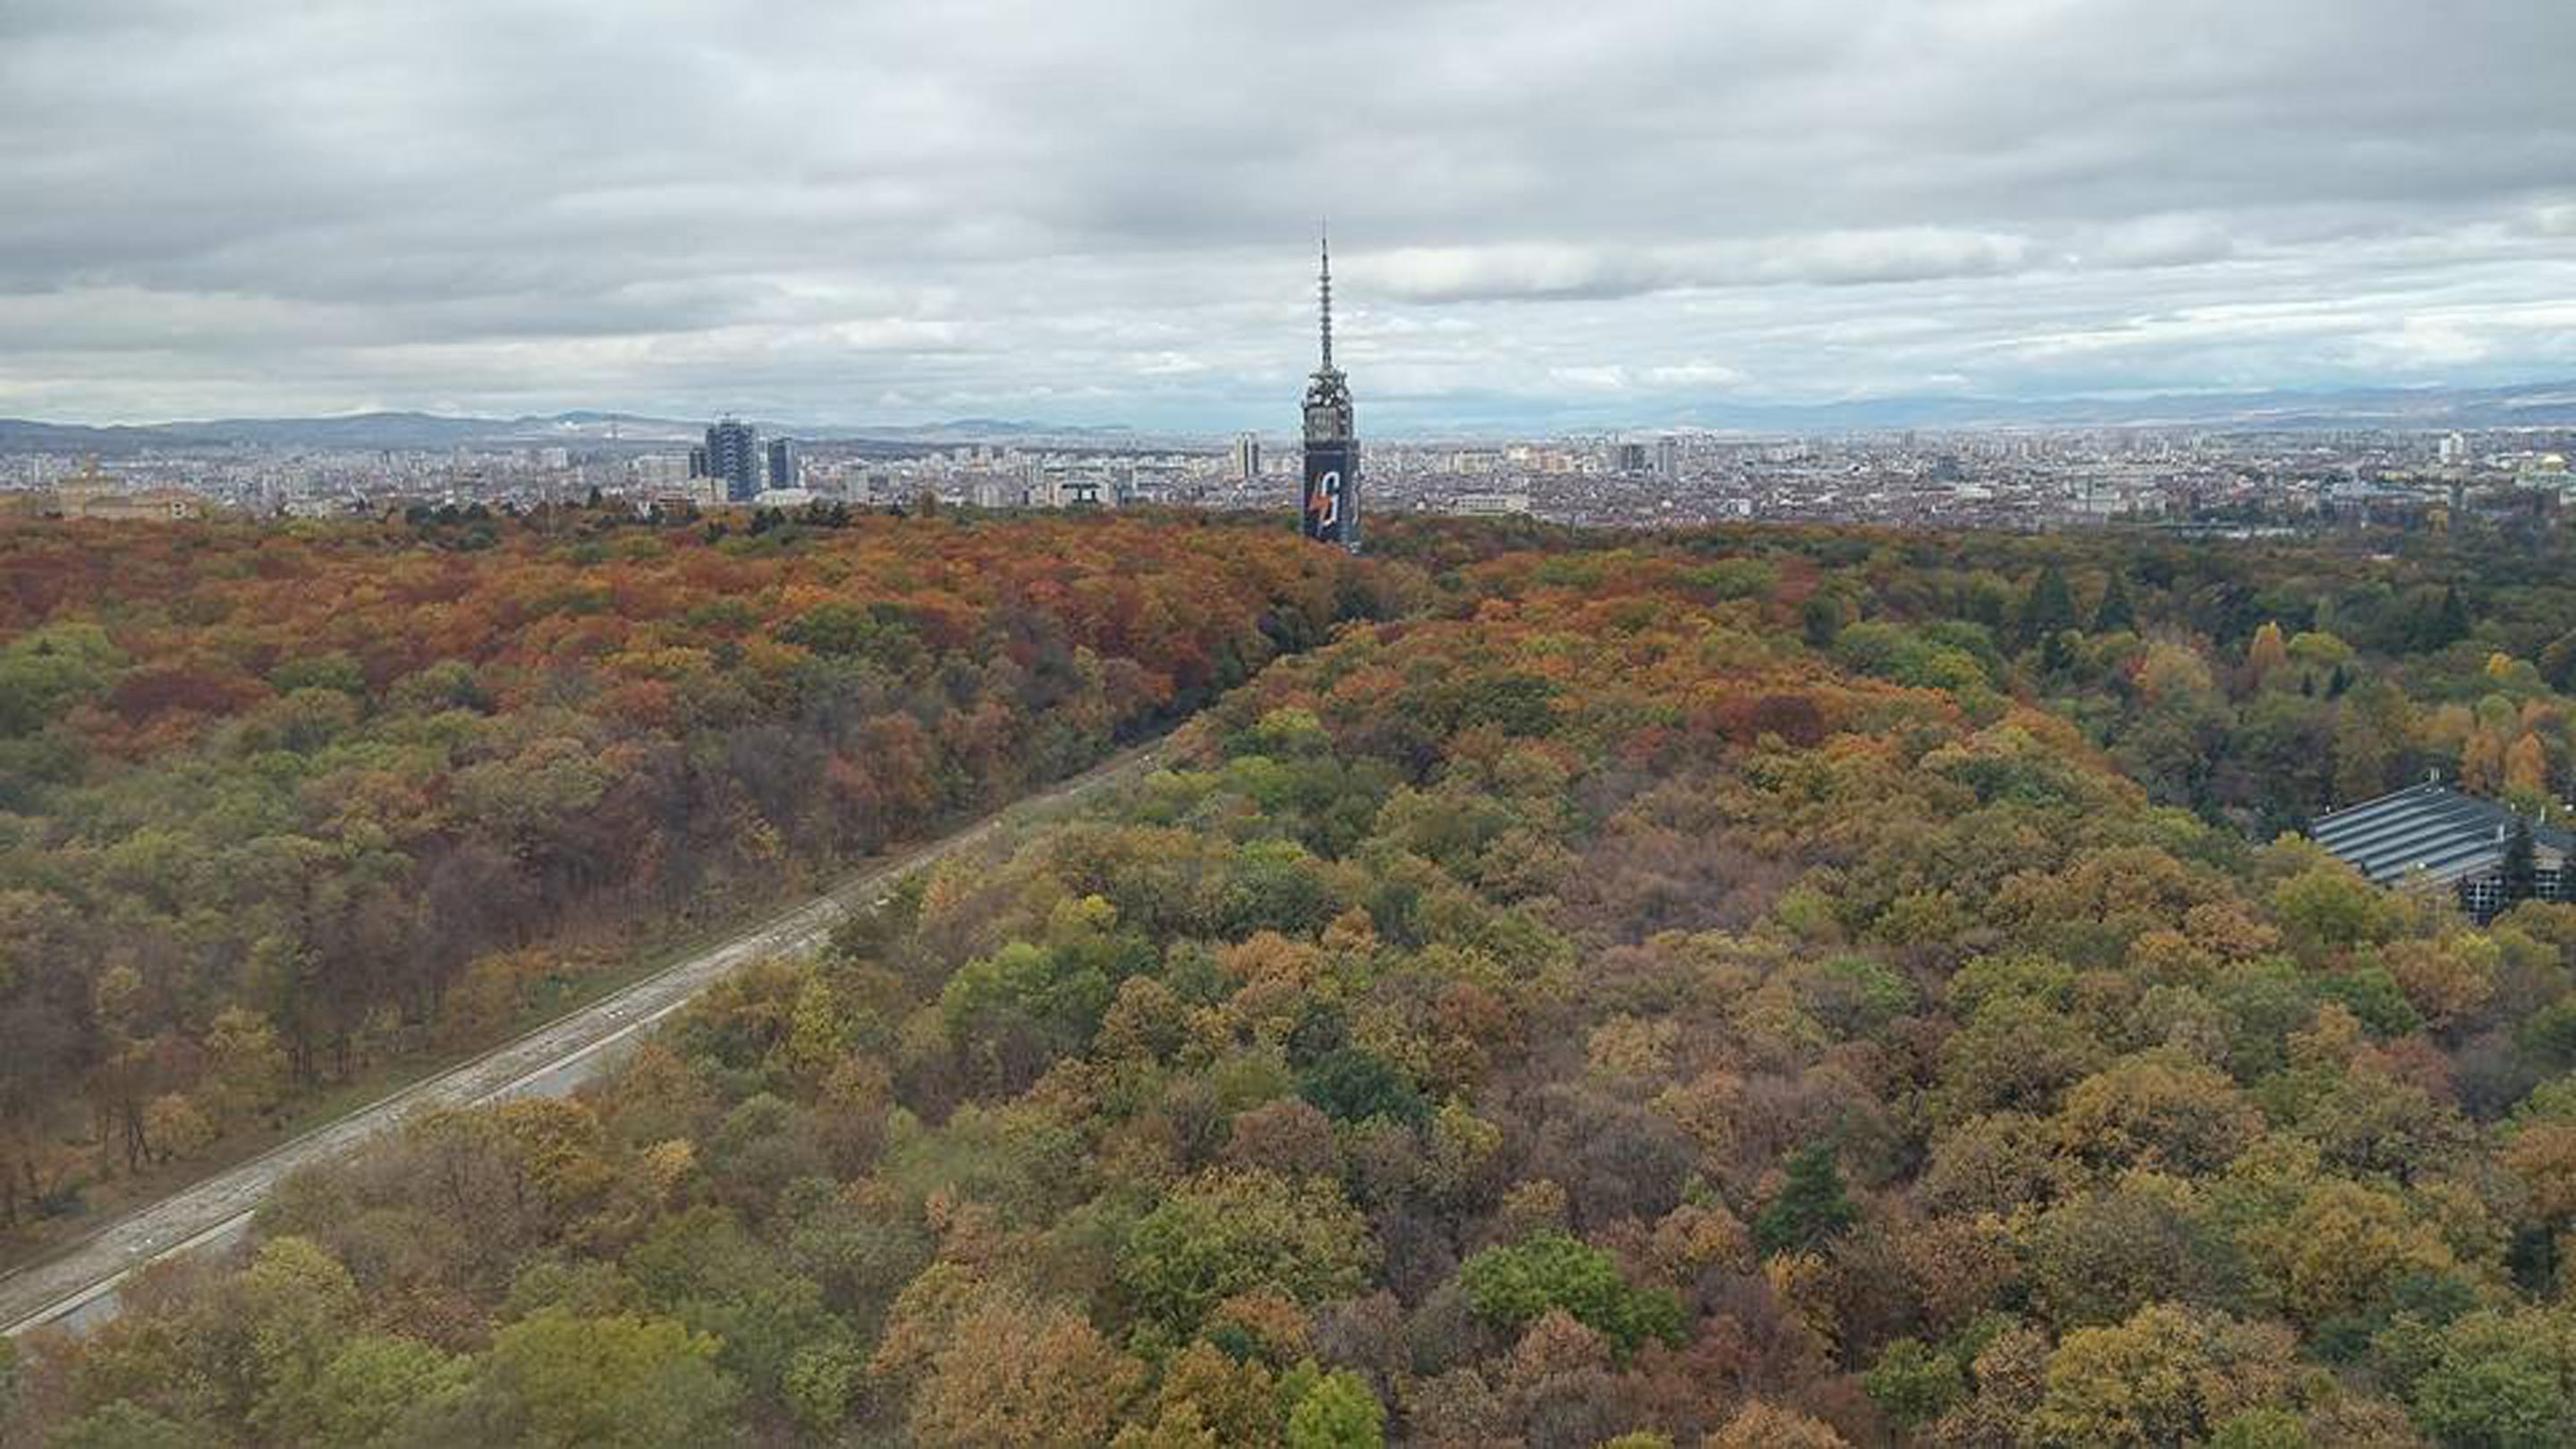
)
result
[(1662, 215)]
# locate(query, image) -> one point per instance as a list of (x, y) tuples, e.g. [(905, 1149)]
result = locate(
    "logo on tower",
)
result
[(1332, 493)]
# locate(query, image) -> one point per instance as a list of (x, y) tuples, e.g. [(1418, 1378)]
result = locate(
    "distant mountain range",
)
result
[(2550, 404), (2545, 404)]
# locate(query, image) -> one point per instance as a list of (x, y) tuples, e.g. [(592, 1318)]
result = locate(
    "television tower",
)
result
[(1331, 503)]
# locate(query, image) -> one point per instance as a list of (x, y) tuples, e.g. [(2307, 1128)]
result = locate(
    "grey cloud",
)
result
[(1102, 209), (1561, 272), (2163, 241), (1909, 255)]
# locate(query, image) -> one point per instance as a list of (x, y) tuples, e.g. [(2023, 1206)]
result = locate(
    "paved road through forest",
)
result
[(77, 1287)]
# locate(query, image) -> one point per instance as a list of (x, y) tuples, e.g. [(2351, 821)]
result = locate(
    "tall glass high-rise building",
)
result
[(733, 454)]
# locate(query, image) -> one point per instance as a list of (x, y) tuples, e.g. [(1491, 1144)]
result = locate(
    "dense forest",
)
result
[(1739, 988), (2256, 683), (277, 804)]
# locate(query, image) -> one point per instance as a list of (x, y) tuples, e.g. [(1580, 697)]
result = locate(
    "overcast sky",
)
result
[(1097, 211)]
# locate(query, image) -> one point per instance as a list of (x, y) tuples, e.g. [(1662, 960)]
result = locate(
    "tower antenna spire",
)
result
[(1324, 286)]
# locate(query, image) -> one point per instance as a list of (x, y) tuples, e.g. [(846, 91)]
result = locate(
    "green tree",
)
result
[(1337, 1412), (2104, 1255), (705, 1270), (1351, 1084), (1810, 1207), (2521, 868), (2269, 1428), (2328, 907), (1822, 617), (1235, 1230), (2048, 609), (46, 671), (126, 1424), (1513, 1285), (2116, 613), (2500, 1379), (2435, 622), (1913, 1384), (820, 1380), (373, 1385), (294, 1303), (623, 1380)]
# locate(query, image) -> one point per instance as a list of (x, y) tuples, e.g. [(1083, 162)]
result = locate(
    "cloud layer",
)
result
[(1101, 210)]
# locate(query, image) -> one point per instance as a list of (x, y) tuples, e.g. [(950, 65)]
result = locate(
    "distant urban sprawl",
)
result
[(2026, 479)]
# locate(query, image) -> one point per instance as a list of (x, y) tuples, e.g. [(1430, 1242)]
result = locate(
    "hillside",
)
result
[(283, 807), (1742, 988)]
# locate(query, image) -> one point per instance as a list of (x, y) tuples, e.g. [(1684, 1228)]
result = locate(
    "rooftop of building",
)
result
[(2432, 828)]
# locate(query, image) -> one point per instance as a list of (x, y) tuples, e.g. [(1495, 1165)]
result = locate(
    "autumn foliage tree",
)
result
[(292, 800), (1620, 1001)]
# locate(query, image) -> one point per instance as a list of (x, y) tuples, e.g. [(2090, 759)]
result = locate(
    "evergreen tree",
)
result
[(2048, 608), (2521, 869), (1811, 1206), (2116, 612), (2445, 624), (2455, 615), (1821, 619)]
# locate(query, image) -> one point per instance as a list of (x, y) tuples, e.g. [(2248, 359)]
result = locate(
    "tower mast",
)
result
[(1324, 290)]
